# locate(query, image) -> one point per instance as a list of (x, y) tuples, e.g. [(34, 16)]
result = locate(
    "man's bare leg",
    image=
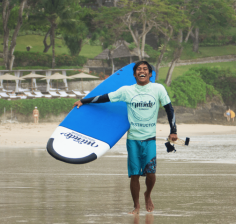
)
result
[(150, 182), (135, 188)]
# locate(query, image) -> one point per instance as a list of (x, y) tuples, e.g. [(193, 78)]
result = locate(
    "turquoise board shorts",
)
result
[(141, 157)]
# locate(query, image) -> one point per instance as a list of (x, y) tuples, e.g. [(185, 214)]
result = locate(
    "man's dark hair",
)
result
[(140, 63)]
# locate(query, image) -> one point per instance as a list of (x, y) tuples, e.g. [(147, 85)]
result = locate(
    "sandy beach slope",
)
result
[(28, 135)]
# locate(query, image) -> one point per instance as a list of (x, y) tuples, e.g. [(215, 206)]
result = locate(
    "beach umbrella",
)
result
[(33, 76), (8, 76), (85, 76), (57, 76)]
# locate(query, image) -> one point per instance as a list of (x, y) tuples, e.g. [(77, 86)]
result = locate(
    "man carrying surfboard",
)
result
[(142, 101)]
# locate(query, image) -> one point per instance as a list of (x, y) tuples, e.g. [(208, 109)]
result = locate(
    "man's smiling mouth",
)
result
[(142, 75)]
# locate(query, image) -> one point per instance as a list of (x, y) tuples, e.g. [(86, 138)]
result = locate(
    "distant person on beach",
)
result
[(229, 114), (36, 115), (143, 100), (232, 115)]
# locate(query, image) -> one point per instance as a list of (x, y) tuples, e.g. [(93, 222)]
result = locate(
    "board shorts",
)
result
[(141, 157)]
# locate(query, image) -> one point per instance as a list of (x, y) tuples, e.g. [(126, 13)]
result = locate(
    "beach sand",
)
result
[(194, 185), (29, 135), (36, 188)]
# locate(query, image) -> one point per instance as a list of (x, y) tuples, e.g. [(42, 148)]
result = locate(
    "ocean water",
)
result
[(210, 149), (194, 185)]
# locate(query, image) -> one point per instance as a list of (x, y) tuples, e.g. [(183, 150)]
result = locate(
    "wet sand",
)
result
[(29, 135), (193, 186), (36, 188)]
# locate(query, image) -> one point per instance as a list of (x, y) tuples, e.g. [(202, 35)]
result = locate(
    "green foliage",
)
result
[(111, 47), (209, 75), (153, 54), (211, 51), (92, 41), (210, 14), (132, 46), (5, 104), (105, 36), (216, 41), (108, 26), (127, 37), (31, 32), (32, 58), (223, 80), (132, 17), (211, 91), (52, 9), (45, 106), (13, 17), (168, 89), (70, 60), (233, 40), (77, 29), (41, 59), (35, 23), (74, 43), (189, 90)]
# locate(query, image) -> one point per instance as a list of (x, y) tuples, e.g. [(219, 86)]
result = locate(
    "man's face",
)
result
[(142, 75)]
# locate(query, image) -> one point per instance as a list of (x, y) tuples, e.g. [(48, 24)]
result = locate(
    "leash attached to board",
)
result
[(171, 148)]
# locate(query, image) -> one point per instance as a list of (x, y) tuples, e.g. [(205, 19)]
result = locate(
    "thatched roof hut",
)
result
[(120, 50)]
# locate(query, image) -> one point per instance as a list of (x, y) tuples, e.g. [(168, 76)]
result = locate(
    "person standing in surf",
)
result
[(143, 100)]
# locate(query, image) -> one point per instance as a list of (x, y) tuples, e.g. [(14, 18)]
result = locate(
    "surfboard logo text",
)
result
[(80, 139)]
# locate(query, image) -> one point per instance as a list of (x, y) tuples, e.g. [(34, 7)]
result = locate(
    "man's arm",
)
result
[(96, 99), (171, 118)]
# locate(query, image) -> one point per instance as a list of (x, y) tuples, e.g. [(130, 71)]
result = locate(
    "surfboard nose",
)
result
[(73, 147), (57, 156)]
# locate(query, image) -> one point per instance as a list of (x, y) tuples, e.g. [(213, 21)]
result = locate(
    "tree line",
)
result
[(176, 21)]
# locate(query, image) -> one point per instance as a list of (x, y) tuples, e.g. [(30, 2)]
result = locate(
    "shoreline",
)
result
[(35, 136)]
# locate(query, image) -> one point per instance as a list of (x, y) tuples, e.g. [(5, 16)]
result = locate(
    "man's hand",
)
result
[(78, 104), (173, 137)]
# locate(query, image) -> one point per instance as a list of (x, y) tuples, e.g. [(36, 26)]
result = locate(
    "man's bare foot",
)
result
[(135, 211), (148, 202)]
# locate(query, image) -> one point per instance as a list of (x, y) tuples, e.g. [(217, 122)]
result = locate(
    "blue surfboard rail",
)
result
[(107, 122)]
